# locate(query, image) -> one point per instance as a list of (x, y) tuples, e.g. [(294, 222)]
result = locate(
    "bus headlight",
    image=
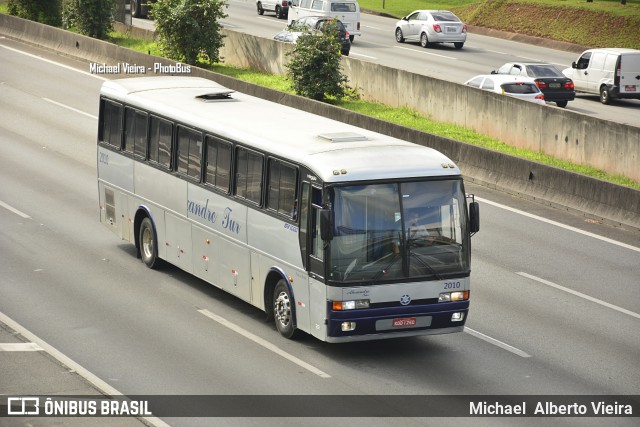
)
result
[(453, 296), (350, 305)]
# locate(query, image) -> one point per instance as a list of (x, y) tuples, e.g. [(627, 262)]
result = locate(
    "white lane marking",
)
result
[(496, 342), (581, 295), (69, 363), (496, 51), (426, 53), (364, 56), (20, 346), (53, 62), (14, 210), (567, 227), (70, 108), (263, 343)]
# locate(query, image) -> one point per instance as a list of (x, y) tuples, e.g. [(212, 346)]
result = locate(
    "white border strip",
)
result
[(496, 342), (102, 386), (581, 295), (567, 227), (263, 343), (20, 346)]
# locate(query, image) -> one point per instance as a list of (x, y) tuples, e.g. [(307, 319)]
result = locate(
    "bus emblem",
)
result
[(405, 299)]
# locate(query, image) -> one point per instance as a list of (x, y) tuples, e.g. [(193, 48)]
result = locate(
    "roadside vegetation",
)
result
[(403, 116)]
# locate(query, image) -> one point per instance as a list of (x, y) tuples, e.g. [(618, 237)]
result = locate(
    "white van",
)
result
[(610, 73), (347, 11)]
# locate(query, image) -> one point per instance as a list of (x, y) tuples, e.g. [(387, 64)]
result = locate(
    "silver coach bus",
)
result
[(332, 230)]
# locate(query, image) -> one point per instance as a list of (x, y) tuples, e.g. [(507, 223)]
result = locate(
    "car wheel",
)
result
[(279, 13), (562, 104), (351, 38), (458, 45), (147, 241), (605, 97), (399, 36), (424, 40), (260, 9), (283, 310)]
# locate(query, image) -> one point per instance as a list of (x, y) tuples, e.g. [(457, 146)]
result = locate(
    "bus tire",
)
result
[(148, 244), (283, 310)]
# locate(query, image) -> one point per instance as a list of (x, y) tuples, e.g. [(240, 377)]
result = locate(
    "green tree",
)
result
[(95, 17), (45, 11), (189, 30), (315, 68)]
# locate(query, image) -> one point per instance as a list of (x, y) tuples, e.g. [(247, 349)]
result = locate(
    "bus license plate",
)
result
[(629, 88), (404, 322)]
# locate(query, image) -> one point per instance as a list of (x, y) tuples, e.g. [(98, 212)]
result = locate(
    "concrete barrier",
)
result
[(592, 197)]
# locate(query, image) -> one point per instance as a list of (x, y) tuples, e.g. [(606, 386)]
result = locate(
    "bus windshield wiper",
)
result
[(425, 264)]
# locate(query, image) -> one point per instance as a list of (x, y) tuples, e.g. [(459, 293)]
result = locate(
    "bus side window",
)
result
[(111, 123), (304, 221), (218, 163), (282, 188), (160, 143), (189, 152), (135, 137), (316, 207), (249, 175)]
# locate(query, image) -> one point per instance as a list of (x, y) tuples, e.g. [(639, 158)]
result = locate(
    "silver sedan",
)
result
[(432, 26)]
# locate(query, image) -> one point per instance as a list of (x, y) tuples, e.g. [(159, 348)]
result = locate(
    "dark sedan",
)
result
[(555, 86), (322, 23)]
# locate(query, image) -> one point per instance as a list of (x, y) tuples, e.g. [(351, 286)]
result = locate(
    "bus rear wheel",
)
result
[(147, 240), (283, 312)]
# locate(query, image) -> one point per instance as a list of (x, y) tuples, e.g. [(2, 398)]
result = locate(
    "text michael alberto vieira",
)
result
[(595, 408), (126, 68)]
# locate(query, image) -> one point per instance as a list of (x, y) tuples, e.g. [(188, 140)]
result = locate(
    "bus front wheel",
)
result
[(147, 240), (283, 310)]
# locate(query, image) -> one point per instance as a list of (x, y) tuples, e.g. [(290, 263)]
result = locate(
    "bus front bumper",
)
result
[(390, 322)]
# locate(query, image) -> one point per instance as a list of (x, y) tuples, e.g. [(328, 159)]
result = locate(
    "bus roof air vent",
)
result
[(343, 137), (218, 95)]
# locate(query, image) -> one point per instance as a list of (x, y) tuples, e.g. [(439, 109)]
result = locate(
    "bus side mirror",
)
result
[(326, 224), (474, 217)]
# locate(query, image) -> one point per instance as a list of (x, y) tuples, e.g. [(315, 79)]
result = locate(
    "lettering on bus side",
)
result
[(203, 211), (229, 223)]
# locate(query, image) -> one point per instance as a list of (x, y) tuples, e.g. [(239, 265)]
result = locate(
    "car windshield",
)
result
[(543, 71), (519, 87), (398, 231)]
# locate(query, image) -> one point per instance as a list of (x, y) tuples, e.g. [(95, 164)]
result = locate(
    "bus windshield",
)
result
[(399, 231)]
